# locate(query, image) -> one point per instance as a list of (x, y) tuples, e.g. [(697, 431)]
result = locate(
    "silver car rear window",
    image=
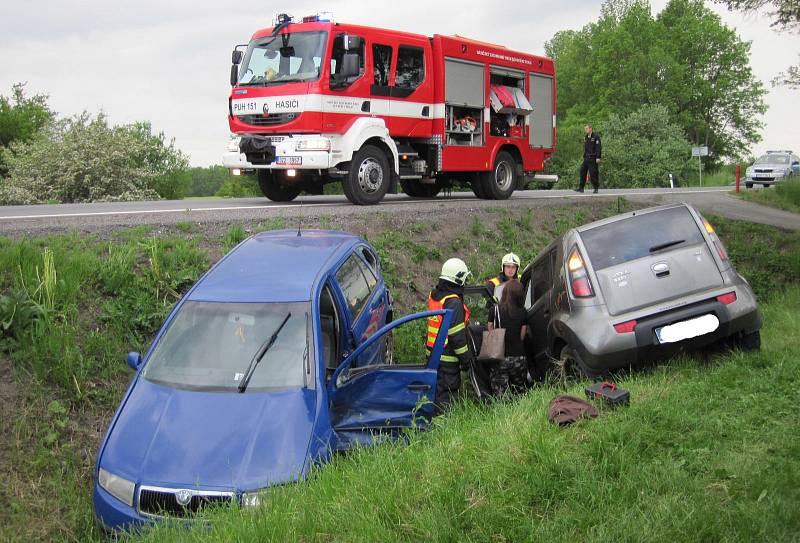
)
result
[(639, 236)]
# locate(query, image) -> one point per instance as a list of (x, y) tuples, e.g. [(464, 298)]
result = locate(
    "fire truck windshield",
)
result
[(285, 58)]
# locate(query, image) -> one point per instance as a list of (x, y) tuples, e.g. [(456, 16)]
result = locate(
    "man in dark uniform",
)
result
[(592, 151)]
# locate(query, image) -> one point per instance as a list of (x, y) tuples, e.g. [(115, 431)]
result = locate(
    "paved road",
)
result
[(717, 200)]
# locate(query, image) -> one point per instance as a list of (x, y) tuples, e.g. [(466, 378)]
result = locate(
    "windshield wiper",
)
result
[(655, 248), (251, 368)]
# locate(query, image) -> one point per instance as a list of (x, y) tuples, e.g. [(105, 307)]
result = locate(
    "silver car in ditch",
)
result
[(772, 167), (632, 288)]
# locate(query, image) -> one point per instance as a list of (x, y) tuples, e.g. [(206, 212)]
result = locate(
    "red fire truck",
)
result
[(317, 102)]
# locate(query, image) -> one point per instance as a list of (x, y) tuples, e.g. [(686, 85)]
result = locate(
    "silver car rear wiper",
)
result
[(251, 368), (660, 246)]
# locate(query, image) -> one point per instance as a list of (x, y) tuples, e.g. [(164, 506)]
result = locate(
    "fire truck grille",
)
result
[(165, 503), (269, 120)]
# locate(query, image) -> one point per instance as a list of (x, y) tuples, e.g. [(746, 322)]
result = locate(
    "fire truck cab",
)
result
[(317, 102)]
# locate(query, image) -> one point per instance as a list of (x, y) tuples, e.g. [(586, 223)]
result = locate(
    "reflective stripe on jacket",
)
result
[(435, 323)]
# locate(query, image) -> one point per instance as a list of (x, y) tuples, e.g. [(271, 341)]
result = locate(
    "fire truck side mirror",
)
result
[(236, 56), (234, 75)]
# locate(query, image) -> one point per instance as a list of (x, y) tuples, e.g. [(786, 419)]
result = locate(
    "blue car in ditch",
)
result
[(278, 357)]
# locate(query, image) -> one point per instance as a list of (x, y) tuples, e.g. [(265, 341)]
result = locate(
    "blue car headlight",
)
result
[(117, 486)]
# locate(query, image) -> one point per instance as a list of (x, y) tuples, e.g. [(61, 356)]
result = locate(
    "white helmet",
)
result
[(511, 260), (455, 271)]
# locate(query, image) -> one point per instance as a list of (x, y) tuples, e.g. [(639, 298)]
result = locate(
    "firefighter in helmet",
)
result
[(449, 294), (510, 270)]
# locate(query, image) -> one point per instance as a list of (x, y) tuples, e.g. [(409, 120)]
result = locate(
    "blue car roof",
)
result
[(276, 266)]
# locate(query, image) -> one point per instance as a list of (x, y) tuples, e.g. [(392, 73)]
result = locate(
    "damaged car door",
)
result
[(386, 397)]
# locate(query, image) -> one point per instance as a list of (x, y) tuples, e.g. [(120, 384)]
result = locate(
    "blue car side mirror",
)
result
[(134, 360)]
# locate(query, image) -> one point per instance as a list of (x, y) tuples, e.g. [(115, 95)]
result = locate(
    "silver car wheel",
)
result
[(370, 175)]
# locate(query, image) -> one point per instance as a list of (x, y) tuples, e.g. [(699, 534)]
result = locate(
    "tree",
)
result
[(685, 59), (22, 118), (84, 159), (786, 13), (713, 93), (786, 16)]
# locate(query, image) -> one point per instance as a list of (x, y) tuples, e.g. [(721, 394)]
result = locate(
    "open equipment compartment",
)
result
[(509, 107), (465, 95)]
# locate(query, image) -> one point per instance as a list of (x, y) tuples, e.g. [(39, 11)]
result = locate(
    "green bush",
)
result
[(239, 186), (207, 181), (18, 313), (639, 150)]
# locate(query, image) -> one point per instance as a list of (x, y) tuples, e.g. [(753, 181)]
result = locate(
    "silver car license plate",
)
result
[(688, 329)]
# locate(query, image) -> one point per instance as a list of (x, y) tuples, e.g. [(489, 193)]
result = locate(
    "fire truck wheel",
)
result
[(499, 183), (272, 187), (369, 176), (415, 189), (477, 187)]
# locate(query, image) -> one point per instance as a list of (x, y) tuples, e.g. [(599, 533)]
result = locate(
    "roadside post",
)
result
[(700, 152), (738, 175)]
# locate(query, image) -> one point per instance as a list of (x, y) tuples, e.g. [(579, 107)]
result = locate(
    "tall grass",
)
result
[(783, 195), (126, 287)]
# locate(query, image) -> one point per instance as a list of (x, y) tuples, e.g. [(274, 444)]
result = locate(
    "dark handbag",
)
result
[(493, 346)]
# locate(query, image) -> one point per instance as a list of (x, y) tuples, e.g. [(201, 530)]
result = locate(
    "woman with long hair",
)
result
[(511, 373)]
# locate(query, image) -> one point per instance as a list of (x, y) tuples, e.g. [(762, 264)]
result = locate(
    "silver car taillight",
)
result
[(723, 254), (579, 282)]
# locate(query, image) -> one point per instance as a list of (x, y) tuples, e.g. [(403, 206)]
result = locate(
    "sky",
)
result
[(169, 62)]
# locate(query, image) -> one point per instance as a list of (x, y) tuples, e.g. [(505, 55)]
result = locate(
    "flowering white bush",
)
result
[(83, 159)]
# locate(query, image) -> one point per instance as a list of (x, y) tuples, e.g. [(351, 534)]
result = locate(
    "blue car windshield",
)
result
[(209, 345)]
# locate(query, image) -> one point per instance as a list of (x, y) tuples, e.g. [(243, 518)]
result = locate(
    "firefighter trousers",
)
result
[(448, 383)]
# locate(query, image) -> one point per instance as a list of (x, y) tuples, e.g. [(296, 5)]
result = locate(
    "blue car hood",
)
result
[(215, 440)]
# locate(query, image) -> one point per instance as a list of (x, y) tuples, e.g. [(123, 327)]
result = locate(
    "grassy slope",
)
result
[(61, 380), (705, 452)]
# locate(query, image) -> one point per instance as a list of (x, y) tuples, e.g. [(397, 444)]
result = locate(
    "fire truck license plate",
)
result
[(244, 107), (289, 160)]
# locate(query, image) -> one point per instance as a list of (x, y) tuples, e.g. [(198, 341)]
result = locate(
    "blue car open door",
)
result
[(386, 397)]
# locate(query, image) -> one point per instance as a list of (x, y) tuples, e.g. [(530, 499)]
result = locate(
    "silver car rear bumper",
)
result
[(602, 348)]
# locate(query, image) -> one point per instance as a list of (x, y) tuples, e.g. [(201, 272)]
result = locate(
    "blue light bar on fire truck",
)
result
[(321, 17)]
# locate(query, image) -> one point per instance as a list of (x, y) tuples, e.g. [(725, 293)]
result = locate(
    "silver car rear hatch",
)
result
[(650, 259)]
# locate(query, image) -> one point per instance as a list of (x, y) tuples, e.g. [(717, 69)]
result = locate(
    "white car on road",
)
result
[(771, 168)]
